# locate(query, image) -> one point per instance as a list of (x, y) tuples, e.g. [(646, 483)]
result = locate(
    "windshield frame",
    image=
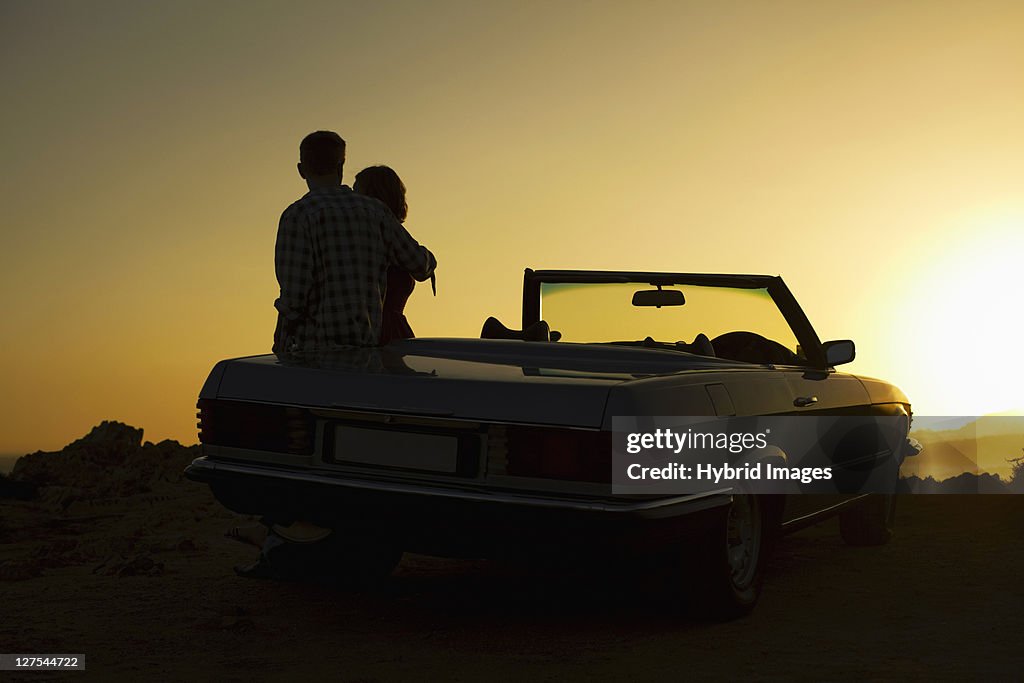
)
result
[(776, 288)]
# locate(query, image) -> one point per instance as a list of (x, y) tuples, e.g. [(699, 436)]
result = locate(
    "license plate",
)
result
[(401, 449)]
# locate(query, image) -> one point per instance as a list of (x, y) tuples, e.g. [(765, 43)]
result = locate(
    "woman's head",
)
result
[(381, 182)]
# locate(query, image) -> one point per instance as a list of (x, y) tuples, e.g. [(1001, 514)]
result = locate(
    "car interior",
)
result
[(742, 346)]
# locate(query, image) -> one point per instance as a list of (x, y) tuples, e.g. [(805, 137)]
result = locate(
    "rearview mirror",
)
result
[(658, 297), (839, 352)]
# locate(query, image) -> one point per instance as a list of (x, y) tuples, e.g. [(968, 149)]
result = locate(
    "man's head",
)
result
[(321, 157)]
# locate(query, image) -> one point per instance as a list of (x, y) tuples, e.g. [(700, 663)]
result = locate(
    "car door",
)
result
[(820, 393)]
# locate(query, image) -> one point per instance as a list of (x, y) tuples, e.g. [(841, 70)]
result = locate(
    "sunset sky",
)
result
[(872, 153)]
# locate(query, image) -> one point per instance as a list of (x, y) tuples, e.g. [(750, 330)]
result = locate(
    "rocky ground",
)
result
[(106, 550)]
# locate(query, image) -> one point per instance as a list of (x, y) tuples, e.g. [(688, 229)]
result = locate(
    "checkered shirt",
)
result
[(332, 255)]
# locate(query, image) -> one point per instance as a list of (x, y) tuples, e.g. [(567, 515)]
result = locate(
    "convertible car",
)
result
[(503, 445)]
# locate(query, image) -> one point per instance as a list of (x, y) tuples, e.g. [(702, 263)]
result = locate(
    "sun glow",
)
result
[(962, 330)]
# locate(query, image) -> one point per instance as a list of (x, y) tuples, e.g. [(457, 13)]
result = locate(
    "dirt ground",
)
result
[(144, 587)]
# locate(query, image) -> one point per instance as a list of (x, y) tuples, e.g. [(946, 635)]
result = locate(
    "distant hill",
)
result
[(7, 461), (942, 459), (982, 445), (962, 484)]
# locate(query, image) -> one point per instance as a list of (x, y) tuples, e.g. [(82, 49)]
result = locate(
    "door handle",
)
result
[(804, 401)]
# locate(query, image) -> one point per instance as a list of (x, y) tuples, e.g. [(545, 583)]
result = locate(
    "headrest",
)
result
[(493, 329)]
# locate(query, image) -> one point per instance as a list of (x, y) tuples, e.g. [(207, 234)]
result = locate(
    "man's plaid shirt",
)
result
[(333, 251)]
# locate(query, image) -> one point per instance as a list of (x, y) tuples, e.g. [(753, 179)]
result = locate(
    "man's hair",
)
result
[(381, 182), (320, 153)]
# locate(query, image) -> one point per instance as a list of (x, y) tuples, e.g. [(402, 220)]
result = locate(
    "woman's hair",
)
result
[(381, 182)]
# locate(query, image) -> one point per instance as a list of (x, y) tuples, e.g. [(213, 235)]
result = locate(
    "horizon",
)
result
[(874, 159), (995, 461)]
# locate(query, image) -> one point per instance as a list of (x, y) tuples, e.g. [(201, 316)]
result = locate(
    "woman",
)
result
[(382, 183)]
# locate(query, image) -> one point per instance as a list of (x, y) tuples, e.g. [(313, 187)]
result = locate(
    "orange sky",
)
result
[(872, 153)]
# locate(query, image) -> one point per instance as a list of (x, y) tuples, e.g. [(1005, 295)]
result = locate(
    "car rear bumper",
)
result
[(450, 518)]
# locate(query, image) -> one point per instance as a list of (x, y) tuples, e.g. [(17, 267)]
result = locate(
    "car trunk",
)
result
[(506, 381)]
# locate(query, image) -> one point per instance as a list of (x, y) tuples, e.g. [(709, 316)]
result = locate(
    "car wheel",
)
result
[(870, 522), (733, 556)]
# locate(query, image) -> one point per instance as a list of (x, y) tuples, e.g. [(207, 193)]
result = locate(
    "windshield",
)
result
[(741, 324)]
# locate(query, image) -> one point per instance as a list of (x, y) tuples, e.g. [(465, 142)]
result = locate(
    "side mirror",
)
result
[(658, 297), (839, 352)]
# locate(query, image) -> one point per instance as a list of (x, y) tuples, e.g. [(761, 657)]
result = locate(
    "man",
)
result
[(332, 255)]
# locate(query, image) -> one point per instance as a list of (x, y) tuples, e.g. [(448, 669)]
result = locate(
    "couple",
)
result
[(345, 263), (346, 267)]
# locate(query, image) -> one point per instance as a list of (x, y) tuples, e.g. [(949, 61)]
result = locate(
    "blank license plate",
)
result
[(406, 450)]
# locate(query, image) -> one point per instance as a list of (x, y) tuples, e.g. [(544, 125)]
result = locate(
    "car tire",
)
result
[(870, 522), (728, 573)]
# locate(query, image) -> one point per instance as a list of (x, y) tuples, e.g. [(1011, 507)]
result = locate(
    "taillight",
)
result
[(283, 429), (563, 454)]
